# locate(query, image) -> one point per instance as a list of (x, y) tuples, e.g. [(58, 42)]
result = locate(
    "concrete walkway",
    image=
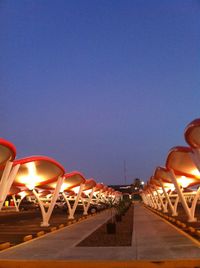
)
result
[(152, 239)]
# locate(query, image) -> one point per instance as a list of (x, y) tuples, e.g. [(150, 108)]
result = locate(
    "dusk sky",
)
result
[(93, 83)]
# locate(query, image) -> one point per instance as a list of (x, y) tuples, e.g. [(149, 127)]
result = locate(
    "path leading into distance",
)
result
[(153, 239)]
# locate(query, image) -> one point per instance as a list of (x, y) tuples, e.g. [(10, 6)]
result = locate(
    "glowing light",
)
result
[(195, 172), (64, 187), (22, 194), (184, 181), (30, 185), (96, 190), (160, 191), (31, 179), (169, 186), (87, 192), (76, 189)]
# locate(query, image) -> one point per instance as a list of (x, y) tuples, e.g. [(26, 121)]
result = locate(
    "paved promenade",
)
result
[(152, 239)]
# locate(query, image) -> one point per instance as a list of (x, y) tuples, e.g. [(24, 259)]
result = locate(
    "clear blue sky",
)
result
[(93, 83)]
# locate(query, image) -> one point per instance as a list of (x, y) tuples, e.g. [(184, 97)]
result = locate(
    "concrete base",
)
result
[(192, 220)]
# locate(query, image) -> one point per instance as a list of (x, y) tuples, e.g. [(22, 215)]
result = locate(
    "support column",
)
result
[(47, 214), (173, 211), (149, 198), (155, 201), (161, 201), (191, 217), (72, 209), (98, 196), (153, 204), (15, 202), (7, 179), (86, 207)]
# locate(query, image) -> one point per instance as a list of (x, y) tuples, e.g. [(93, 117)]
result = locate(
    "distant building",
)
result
[(132, 189)]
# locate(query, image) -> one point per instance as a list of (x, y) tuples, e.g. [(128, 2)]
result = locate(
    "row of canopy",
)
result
[(178, 181), (43, 176)]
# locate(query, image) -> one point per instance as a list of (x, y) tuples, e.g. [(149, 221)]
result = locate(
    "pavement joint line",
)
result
[(195, 241), (40, 237)]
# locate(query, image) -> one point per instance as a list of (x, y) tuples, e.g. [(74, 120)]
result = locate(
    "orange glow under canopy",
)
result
[(154, 182), (179, 159), (185, 181), (161, 173), (98, 187), (37, 171), (22, 194), (71, 180), (76, 189), (89, 184)]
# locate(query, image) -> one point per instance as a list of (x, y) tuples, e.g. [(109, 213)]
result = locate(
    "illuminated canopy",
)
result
[(192, 133), (98, 187), (7, 151), (36, 171), (89, 184), (105, 188), (110, 191), (72, 180), (179, 159), (154, 182), (182, 170), (161, 173)]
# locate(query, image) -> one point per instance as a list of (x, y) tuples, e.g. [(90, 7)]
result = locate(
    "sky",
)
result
[(95, 83)]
